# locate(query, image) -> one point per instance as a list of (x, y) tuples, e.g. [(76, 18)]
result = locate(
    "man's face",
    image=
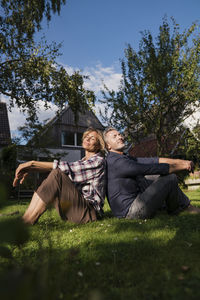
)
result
[(91, 142), (115, 141)]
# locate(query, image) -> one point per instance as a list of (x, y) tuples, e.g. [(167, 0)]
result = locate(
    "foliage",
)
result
[(190, 145), (160, 84), (7, 167), (26, 15), (8, 156), (108, 259), (28, 70)]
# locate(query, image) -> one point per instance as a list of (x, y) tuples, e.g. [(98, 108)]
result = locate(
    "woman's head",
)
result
[(92, 140)]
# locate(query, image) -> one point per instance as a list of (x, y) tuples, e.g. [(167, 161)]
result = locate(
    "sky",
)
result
[(94, 34)]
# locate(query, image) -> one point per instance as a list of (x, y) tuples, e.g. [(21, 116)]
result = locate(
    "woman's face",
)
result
[(90, 142)]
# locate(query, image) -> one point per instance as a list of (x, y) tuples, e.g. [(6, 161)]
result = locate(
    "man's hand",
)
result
[(188, 165), (191, 167), (178, 164)]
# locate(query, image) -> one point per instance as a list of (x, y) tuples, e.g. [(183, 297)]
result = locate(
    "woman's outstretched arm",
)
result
[(31, 166)]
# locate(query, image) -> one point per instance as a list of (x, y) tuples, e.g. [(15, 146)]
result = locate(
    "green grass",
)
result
[(107, 259)]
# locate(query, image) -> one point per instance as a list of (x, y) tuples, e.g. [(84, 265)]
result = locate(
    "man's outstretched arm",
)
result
[(176, 165)]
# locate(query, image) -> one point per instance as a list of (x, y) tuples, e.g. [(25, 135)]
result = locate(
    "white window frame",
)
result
[(75, 141)]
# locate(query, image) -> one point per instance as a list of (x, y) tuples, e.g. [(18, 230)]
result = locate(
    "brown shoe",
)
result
[(192, 210)]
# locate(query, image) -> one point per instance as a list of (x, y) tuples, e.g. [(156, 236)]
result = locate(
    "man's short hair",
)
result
[(108, 129)]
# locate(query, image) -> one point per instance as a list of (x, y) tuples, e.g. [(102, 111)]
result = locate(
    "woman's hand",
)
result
[(31, 166), (21, 173)]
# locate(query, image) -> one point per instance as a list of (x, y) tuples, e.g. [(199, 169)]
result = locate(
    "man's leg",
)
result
[(163, 189), (183, 200)]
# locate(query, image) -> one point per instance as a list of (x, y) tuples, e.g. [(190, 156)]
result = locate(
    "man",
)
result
[(77, 189), (130, 194)]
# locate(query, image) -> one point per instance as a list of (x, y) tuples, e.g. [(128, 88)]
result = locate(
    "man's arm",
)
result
[(24, 169), (176, 165), (123, 166)]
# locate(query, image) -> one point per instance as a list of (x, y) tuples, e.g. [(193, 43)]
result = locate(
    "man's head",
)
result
[(114, 140), (93, 141)]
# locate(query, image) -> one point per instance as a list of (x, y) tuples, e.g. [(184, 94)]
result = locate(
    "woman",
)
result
[(77, 189)]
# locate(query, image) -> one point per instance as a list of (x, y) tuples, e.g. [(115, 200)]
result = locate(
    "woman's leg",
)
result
[(38, 204), (59, 190), (36, 208)]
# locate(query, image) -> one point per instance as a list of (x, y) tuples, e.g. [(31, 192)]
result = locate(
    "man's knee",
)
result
[(170, 177), (173, 178)]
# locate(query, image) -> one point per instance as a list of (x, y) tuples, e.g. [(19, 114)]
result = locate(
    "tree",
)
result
[(160, 84), (25, 16), (190, 145), (28, 70)]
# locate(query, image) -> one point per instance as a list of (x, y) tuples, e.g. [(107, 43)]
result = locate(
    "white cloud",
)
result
[(17, 118), (98, 76)]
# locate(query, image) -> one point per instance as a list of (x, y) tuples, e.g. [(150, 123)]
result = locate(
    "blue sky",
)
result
[(95, 33)]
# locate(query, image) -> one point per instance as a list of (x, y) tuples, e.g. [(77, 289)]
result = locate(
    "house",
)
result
[(62, 136), (5, 137), (147, 147)]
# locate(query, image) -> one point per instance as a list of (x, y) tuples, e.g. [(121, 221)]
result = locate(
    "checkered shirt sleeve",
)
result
[(88, 176)]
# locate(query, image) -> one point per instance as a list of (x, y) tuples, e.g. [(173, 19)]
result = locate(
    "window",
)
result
[(79, 138), (71, 138)]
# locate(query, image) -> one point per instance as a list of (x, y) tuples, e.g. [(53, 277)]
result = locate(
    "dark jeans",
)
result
[(163, 191)]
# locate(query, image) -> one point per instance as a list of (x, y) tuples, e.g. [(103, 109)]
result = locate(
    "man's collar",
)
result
[(116, 153)]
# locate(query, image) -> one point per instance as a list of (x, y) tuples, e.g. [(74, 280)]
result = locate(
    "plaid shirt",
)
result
[(88, 176)]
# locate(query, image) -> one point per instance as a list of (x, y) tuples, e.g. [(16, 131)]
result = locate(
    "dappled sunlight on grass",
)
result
[(163, 236), (108, 259)]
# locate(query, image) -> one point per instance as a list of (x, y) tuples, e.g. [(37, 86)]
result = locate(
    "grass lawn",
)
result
[(107, 259)]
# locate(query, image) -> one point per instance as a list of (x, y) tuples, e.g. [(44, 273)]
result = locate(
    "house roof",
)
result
[(66, 117), (85, 120), (4, 126)]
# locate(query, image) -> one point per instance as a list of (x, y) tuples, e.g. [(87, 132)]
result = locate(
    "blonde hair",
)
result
[(100, 146)]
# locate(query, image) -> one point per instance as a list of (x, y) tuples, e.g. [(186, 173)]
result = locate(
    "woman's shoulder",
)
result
[(98, 155)]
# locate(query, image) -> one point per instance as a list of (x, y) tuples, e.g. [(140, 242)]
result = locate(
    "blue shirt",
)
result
[(123, 175)]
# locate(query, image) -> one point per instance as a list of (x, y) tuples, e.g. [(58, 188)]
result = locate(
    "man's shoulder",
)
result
[(112, 156)]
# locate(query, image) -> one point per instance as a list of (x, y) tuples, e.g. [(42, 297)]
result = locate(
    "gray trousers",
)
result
[(161, 192)]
